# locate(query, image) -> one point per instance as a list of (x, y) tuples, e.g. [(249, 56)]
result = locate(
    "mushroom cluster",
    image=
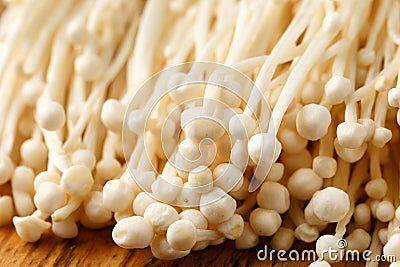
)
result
[(293, 129)]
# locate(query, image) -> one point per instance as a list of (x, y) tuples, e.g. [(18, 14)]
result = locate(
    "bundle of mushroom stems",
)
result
[(203, 165)]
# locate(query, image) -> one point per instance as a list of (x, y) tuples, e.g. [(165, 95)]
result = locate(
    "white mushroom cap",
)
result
[(232, 228), (306, 232), (166, 189), (291, 141), (46, 177), (136, 121), (30, 228), (362, 214), (65, 229), (23, 180), (381, 136), (227, 177), (351, 134), (217, 206), (189, 149), (331, 204), (201, 179), (385, 211), (85, 221), (373, 204), (265, 222), (181, 235), (183, 92), (248, 239), (160, 216), (310, 216), (359, 240), (77, 181), (123, 214), (261, 148), (241, 126), (141, 202), (275, 196), (230, 96), (188, 197), (117, 195), (196, 217), (50, 116), (383, 235), (276, 172), (23, 202), (112, 115), (95, 208), (312, 121), (199, 129), (84, 157), (283, 239), (392, 246), (324, 166), (312, 92), (350, 155), (84, 66), (133, 232), (303, 183), (243, 192), (144, 179), (294, 162), (76, 33), (161, 249), (326, 243), (49, 197), (366, 56), (107, 169), (337, 89), (394, 97), (369, 126), (32, 89), (376, 188), (33, 153)]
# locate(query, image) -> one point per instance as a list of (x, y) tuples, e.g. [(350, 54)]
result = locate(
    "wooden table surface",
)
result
[(96, 248)]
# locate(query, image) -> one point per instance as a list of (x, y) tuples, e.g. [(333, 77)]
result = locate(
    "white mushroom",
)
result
[(160, 216), (133, 232), (217, 206)]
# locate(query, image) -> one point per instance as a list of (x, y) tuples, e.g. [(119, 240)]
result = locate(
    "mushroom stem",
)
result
[(33, 14), (8, 87), (357, 179), (100, 87), (37, 55), (247, 206), (376, 245), (342, 176), (289, 37)]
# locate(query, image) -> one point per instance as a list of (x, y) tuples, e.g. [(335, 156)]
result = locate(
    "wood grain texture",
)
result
[(96, 248)]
